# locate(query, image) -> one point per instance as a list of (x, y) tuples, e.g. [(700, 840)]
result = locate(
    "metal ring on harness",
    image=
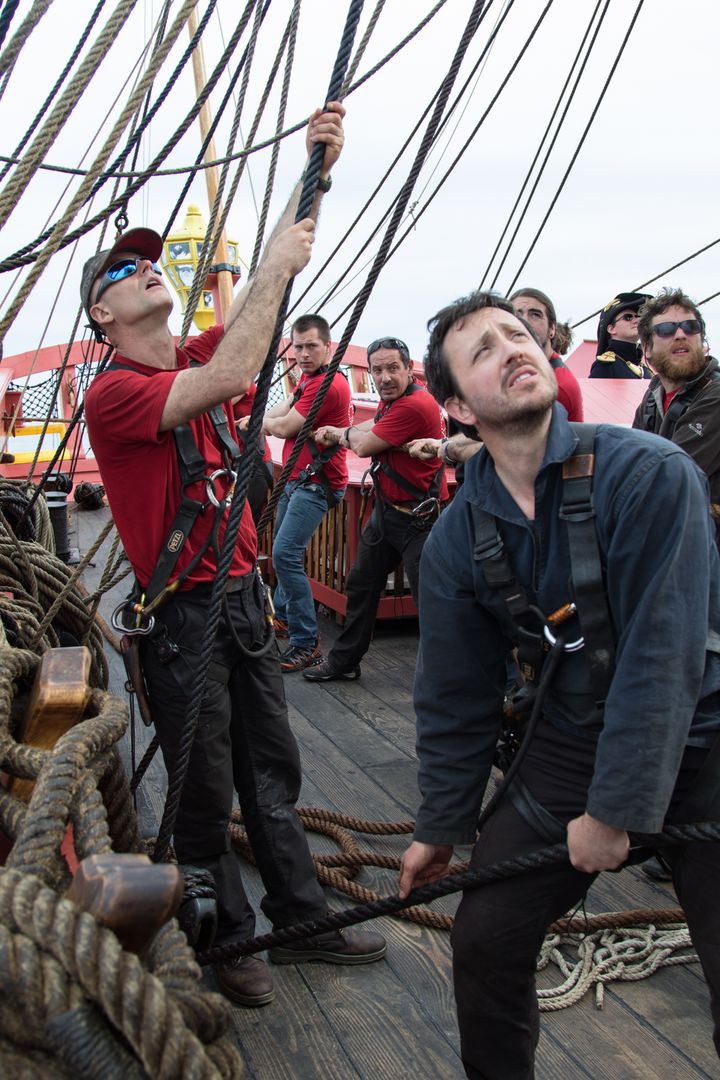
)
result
[(569, 646), (425, 508), (117, 623), (210, 490)]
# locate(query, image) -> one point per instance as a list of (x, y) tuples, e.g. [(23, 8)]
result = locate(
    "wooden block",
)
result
[(58, 700), (128, 894)]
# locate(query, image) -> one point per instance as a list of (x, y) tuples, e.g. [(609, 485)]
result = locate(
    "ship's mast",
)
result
[(224, 291)]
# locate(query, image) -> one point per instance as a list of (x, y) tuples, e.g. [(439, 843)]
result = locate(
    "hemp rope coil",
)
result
[(53, 956)]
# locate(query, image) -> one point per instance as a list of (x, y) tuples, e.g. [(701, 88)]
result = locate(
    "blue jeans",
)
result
[(300, 511)]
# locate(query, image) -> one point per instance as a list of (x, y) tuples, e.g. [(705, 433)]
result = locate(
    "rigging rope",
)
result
[(27, 255), (275, 154), (417, 214), (59, 231), (579, 147), (10, 195), (237, 505), (8, 58), (639, 288), (54, 92), (6, 17), (545, 135)]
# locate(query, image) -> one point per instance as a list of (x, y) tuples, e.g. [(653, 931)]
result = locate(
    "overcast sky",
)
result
[(642, 194)]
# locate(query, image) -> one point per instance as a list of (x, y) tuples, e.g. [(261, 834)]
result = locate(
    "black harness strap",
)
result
[(315, 473), (193, 469), (588, 580), (378, 465)]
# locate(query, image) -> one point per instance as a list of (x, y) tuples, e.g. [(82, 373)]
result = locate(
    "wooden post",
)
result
[(223, 295)]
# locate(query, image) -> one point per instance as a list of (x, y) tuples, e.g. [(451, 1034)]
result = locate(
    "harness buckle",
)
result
[(426, 508), (568, 646), (136, 627), (210, 486)]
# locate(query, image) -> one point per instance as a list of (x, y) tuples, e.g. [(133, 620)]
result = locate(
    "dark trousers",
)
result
[(499, 930), (243, 744), (389, 538)]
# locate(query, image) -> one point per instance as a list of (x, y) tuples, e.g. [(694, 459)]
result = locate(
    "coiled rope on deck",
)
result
[(54, 958)]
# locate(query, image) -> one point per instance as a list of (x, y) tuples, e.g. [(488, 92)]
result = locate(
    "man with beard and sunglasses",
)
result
[(627, 704), (682, 402)]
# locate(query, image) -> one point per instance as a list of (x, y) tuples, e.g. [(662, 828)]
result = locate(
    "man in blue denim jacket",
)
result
[(600, 770)]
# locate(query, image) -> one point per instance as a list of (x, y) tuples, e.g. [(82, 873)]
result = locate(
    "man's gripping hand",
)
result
[(422, 864), (423, 449), (289, 252), (326, 126), (328, 436), (594, 846)]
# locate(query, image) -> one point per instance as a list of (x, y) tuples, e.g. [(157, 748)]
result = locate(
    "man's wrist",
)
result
[(345, 440), (445, 454)]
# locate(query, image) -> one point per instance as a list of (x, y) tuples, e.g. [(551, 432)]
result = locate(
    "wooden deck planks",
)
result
[(395, 1020)]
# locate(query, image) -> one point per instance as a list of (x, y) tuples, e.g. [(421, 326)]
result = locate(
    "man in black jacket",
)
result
[(618, 354), (682, 403)]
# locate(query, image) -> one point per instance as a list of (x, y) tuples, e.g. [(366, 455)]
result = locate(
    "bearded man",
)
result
[(681, 402), (615, 521)]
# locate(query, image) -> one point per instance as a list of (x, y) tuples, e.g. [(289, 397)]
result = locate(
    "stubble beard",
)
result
[(521, 418)]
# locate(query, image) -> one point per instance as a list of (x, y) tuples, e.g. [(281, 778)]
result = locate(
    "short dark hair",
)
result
[(312, 322), (656, 305), (440, 379)]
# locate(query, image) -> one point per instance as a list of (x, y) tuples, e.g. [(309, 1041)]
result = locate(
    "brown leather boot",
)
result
[(336, 947), (246, 981)]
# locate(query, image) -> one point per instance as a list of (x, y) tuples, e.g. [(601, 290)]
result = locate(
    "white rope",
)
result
[(624, 955)]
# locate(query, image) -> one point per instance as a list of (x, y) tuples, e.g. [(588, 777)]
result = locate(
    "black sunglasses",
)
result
[(120, 270), (388, 343), (669, 329), (627, 316)]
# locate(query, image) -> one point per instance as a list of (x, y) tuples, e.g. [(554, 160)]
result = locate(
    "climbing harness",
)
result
[(423, 505)]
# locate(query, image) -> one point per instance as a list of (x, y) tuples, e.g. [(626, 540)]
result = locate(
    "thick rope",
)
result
[(6, 17), (53, 956), (28, 255), (78, 199), (279, 124), (472, 25), (58, 83), (10, 196), (312, 173), (8, 58), (553, 855)]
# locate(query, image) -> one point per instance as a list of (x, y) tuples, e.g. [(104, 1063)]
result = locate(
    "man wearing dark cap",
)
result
[(158, 418), (619, 355)]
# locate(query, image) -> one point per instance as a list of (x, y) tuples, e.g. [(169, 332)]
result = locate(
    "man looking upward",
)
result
[(147, 413), (626, 723)]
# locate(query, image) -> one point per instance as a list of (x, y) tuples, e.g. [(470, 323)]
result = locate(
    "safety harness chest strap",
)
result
[(588, 581), (432, 492), (193, 469)]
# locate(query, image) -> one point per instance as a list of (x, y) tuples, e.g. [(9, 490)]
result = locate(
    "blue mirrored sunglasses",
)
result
[(122, 269)]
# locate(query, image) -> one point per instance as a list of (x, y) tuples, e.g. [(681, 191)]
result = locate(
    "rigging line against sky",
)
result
[(641, 195)]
